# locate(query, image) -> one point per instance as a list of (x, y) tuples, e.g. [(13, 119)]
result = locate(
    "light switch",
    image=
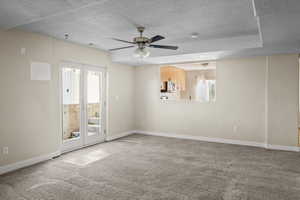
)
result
[(23, 51), (5, 150)]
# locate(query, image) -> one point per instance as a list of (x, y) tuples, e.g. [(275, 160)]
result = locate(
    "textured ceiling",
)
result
[(225, 28)]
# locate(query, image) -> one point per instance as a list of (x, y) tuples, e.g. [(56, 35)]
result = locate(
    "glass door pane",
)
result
[(71, 103), (94, 108)]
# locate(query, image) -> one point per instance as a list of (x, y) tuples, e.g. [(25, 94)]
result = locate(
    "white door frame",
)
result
[(90, 140), (83, 141)]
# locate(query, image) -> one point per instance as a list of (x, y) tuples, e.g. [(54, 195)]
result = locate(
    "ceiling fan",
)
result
[(142, 43)]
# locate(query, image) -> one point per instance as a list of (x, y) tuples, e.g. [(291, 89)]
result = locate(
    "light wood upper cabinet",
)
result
[(174, 74)]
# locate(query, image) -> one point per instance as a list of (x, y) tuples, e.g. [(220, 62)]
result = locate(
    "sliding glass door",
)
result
[(83, 101)]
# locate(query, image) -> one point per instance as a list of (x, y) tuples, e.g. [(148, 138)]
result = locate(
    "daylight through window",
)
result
[(190, 81)]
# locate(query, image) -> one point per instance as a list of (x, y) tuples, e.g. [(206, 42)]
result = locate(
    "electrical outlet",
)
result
[(5, 150), (235, 127)]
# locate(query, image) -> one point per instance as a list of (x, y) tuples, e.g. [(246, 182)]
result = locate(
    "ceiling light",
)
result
[(195, 35), (141, 53), (66, 36)]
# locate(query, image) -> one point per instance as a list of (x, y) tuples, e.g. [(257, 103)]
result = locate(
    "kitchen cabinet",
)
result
[(174, 74)]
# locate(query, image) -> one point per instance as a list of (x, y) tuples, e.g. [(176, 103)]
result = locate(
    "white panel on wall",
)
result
[(40, 71)]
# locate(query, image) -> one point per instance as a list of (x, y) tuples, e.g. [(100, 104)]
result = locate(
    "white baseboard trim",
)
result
[(221, 140), (119, 135), (283, 148), (25, 163)]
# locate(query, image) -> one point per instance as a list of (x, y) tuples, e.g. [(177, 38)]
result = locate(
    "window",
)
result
[(191, 81)]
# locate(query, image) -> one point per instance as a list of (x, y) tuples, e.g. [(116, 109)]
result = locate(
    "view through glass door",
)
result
[(83, 113), (94, 105)]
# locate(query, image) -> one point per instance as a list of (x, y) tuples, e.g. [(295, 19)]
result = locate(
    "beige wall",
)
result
[(121, 99), (283, 87), (29, 110), (240, 111)]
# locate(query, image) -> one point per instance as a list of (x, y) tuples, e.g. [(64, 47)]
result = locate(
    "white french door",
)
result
[(83, 90)]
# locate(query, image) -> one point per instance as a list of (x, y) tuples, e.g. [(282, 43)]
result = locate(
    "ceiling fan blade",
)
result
[(163, 47), (156, 38), (115, 49), (123, 41)]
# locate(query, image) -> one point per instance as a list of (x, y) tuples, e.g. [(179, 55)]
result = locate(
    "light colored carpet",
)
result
[(152, 168)]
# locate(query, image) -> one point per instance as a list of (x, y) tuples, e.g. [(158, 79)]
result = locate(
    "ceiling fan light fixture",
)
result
[(141, 53)]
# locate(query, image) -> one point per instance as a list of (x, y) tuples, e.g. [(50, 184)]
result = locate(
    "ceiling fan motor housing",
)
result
[(141, 41)]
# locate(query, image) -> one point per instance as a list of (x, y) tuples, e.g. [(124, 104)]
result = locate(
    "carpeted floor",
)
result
[(151, 168)]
